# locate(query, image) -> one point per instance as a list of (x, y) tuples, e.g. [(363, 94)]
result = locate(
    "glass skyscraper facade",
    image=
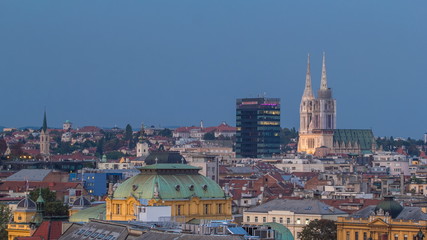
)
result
[(258, 127)]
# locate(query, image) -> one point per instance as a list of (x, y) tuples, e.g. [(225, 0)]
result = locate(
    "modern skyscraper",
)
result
[(258, 127)]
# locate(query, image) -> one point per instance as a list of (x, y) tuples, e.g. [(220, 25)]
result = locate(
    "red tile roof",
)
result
[(48, 230), (20, 186)]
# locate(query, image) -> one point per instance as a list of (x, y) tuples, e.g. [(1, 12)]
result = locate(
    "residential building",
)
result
[(293, 214), (258, 127)]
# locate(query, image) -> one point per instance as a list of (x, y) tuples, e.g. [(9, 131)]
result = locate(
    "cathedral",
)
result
[(318, 116)]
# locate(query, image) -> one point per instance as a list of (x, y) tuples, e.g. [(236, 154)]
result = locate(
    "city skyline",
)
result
[(177, 64)]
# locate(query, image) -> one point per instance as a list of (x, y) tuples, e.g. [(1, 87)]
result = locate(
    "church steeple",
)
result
[(324, 81), (308, 91), (44, 128)]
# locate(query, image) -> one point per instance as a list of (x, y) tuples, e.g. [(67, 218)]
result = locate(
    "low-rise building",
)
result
[(293, 214)]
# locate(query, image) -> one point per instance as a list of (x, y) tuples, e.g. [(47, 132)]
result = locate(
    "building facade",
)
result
[(318, 122), (189, 194), (258, 127), (386, 221), (293, 214)]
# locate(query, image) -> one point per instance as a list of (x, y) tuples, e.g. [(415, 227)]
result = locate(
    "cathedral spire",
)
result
[(44, 122), (324, 81), (308, 92)]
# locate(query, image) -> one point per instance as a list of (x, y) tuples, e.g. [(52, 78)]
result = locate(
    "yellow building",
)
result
[(386, 221), (189, 194), (24, 217)]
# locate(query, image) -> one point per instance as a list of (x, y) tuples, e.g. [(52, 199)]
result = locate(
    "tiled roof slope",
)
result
[(363, 137), (303, 206)]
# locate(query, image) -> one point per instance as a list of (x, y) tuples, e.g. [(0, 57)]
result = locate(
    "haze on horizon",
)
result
[(174, 63)]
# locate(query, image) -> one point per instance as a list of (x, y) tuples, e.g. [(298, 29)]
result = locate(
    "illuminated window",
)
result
[(298, 220)]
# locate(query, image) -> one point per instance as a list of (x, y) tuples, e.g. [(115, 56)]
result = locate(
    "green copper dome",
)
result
[(388, 205), (169, 182)]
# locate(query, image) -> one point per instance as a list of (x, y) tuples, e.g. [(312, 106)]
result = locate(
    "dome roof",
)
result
[(81, 202), (164, 157), (388, 205), (169, 181), (26, 203)]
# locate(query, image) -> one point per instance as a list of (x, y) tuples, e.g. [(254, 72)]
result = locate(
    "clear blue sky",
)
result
[(175, 62)]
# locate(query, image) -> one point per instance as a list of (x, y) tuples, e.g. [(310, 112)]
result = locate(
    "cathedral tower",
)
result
[(317, 115), (306, 106), (44, 139)]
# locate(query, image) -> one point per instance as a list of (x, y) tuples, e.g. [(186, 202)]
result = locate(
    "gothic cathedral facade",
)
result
[(317, 115)]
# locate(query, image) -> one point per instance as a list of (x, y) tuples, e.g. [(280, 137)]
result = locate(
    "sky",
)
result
[(174, 63)]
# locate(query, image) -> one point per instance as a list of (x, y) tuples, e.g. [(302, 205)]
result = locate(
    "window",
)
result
[(178, 210), (405, 237), (281, 220), (219, 209), (206, 209), (248, 219), (365, 236), (307, 221), (298, 220), (356, 236), (256, 219), (347, 236), (274, 219), (288, 220), (264, 219), (396, 236), (117, 208)]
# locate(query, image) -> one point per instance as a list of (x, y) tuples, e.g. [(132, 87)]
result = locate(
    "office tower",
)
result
[(258, 127)]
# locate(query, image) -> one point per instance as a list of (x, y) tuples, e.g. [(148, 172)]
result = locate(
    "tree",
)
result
[(3, 146), (16, 149), (322, 229), (5, 217), (209, 136), (52, 207), (166, 132), (47, 195), (128, 133)]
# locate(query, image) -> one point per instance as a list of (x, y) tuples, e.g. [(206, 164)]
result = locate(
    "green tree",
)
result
[(52, 207), (322, 229), (209, 136), (5, 218), (47, 195), (166, 132), (100, 147), (128, 132), (114, 155), (3, 146)]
